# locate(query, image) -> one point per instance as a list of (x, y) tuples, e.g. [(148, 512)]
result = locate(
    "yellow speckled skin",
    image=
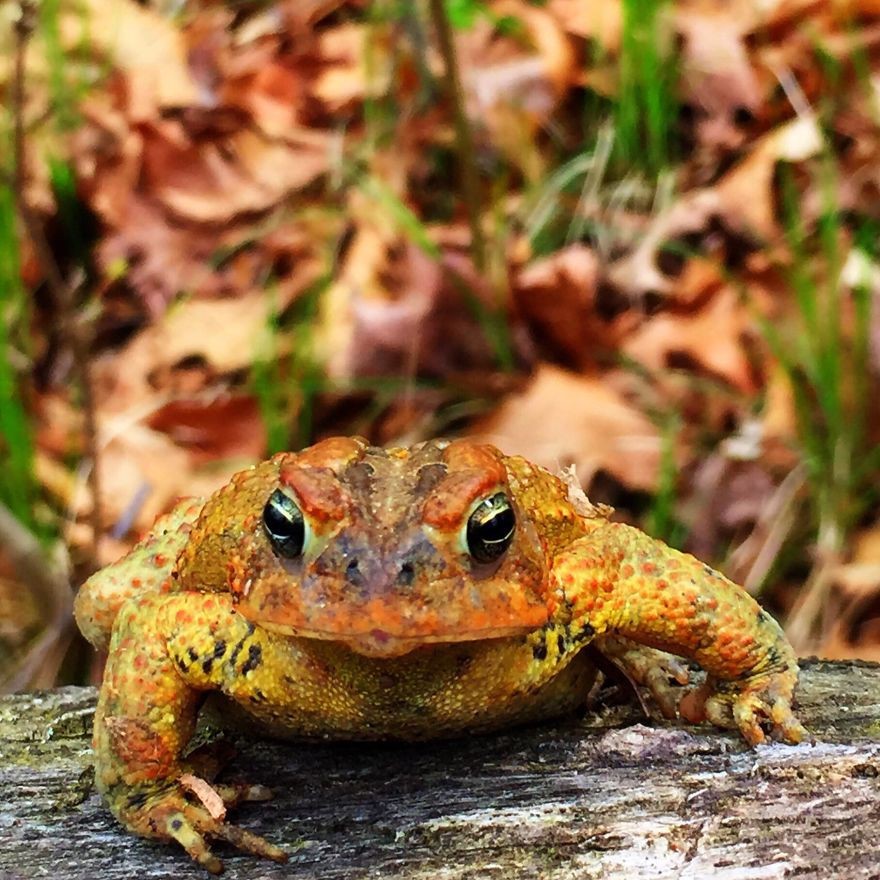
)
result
[(384, 625)]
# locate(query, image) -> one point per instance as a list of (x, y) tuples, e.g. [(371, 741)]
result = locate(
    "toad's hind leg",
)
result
[(663, 675), (146, 568)]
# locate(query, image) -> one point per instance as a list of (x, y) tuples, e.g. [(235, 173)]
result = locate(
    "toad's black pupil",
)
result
[(284, 525), (490, 528)]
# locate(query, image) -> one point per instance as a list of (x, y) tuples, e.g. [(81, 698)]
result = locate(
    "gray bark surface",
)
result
[(609, 795)]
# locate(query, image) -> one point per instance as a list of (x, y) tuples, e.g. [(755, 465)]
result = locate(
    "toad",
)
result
[(352, 592)]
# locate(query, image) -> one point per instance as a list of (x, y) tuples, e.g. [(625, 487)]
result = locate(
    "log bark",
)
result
[(607, 795)]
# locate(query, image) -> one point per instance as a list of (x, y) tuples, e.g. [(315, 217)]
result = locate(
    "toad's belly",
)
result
[(324, 690)]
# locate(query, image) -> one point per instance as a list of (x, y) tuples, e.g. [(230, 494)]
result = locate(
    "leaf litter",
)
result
[(277, 188)]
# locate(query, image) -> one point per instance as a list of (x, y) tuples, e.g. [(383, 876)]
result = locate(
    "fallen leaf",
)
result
[(717, 76), (353, 71), (215, 182), (226, 335), (107, 155), (499, 71), (142, 472), (212, 429), (557, 297), (638, 275), (207, 796), (395, 309), (726, 499), (511, 92), (273, 95), (601, 22), (564, 419), (709, 341), (746, 196), (150, 49), (159, 259)]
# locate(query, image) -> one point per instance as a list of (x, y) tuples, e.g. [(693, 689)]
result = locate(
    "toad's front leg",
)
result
[(165, 651), (619, 580)]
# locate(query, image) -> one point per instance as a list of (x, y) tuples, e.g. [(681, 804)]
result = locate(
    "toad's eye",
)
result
[(284, 524), (490, 528)]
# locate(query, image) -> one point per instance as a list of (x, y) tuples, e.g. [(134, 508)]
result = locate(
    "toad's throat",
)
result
[(381, 643)]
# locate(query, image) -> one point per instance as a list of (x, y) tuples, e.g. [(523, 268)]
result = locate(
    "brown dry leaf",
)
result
[(107, 156), (716, 74), (357, 278), (229, 427), (638, 274), (709, 341), (700, 277), (510, 90), (227, 335), (20, 618), (217, 181), (855, 632), (860, 576), (727, 497), (396, 310), (141, 472), (151, 50), (302, 14), (557, 297), (160, 259), (778, 417), (866, 545), (358, 65), (208, 796), (866, 646), (746, 191), (502, 73), (858, 579), (272, 94), (602, 22), (393, 309), (565, 419)]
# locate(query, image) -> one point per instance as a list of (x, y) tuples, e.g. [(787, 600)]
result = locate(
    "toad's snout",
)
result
[(370, 569)]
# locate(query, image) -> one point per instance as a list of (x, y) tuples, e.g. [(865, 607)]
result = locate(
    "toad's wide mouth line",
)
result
[(378, 642)]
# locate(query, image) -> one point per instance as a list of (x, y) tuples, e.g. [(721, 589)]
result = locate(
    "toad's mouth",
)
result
[(380, 643)]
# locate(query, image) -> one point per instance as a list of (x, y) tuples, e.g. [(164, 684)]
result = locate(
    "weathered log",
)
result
[(581, 798)]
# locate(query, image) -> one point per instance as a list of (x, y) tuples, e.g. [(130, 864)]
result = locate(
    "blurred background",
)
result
[(635, 237)]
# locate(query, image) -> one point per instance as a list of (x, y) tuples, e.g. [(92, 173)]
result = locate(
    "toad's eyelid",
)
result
[(317, 492)]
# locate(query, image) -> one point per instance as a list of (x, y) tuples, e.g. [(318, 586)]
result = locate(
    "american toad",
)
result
[(353, 592)]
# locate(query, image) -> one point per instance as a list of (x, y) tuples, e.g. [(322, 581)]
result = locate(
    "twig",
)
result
[(63, 292), (463, 134)]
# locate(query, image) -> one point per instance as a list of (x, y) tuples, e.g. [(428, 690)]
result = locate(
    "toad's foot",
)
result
[(759, 706), (172, 815), (661, 674)]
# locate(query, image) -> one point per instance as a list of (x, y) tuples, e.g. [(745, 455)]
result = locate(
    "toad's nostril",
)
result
[(407, 574), (353, 572)]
